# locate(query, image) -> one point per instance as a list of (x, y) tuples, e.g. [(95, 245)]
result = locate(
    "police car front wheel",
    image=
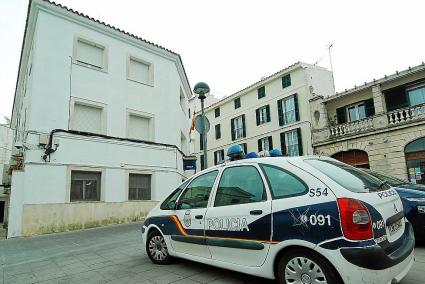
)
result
[(304, 267), (157, 248)]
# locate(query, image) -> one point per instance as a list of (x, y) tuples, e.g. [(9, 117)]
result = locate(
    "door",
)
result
[(191, 208), (238, 222)]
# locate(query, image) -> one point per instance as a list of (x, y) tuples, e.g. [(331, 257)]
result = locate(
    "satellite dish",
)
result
[(198, 124)]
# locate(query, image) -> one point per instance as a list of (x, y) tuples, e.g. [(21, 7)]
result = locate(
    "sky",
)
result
[(232, 44)]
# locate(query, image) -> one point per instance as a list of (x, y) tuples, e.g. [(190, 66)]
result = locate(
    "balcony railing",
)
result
[(406, 115), (377, 122), (351, 127)]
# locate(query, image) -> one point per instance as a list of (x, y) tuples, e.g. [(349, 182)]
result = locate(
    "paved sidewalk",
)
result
[(114, 255)]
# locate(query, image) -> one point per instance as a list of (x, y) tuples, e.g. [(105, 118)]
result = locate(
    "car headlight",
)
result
[(421, 208), (415, 199)]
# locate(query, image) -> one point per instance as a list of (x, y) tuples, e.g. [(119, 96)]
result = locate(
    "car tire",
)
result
[(156, 248), (304, 266)]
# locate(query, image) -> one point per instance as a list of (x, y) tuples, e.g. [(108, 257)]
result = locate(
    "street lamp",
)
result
[(202, 89)]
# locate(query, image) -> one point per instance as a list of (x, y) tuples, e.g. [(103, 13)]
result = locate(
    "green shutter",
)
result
[(300, 142), (243, 125), (297, 112), (232, 128), (280, 112), (283, 143)]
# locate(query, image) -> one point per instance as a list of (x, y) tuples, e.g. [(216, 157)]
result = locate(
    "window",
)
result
[(217, 131), (190, 115), (170, 202), (286, 81), (263, 114), (240, 185), (282, 183), (245, 147), (356, 112), (238, 127), (139, 71), (291, 144), (139, 127), (85, 186), (288, 110), (217, 112), (218, 157), (139, 187), (261, 92), (348, 176), (416, 96), (237, 103), (198, 192), (265, 144), (90, 54), (87, 118)]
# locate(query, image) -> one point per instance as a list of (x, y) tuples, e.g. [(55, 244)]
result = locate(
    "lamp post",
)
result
[(202, 89)]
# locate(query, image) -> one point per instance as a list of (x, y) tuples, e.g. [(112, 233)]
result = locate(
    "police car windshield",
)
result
[(347, 176)]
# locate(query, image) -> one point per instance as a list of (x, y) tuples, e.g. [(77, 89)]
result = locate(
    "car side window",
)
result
[(283, 184), (198, 192), (240, 185), (170, 202)]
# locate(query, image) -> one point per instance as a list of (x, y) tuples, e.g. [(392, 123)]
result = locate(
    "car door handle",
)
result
[(256, 212), (199, 217)]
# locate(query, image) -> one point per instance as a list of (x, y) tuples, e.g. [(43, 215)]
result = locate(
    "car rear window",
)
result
[(348, 176)]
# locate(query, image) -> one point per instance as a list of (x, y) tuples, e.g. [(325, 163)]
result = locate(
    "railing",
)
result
[(406, 115), (351, 127)]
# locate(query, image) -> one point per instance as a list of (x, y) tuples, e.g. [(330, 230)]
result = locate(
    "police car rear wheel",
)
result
[(304, 267), (157, 248)]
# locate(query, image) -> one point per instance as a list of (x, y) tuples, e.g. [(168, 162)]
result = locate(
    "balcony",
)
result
[(396, 118), (352, 127), (406, 115)]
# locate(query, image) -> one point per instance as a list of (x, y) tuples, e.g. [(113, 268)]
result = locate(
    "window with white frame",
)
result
[(85, 186), (291, 143), (139, 187), (356, 112), (265, 144), (218, 157), (139, 127), (238, 128), (263, 114), (87, 118), (90, 53), (140, 71), (287, 110)]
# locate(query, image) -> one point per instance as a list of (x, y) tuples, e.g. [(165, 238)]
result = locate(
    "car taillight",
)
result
[(355, 219)]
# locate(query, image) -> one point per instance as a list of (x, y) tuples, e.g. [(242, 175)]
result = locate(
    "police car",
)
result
[(294, 219)]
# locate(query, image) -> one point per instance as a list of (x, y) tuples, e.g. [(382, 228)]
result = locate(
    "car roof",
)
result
[(266, 160)]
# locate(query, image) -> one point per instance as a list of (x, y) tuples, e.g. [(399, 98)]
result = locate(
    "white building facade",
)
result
[(5, 153), (272, 113), (101, 123)]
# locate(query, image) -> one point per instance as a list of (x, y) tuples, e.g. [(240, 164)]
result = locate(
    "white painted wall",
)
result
[(44, 99), (302, 77)]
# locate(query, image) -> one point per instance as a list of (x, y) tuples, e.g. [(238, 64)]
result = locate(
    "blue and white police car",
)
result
[(294, 219)]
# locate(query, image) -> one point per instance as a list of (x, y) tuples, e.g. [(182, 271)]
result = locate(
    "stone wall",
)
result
[(385, 148)]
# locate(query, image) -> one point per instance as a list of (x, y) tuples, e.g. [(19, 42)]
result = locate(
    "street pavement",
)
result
[(115, 254)]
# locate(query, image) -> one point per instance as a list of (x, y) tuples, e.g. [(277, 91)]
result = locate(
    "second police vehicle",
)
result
[(298, 220)]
